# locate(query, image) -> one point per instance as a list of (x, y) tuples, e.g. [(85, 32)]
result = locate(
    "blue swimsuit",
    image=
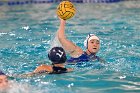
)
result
[(83, 58)]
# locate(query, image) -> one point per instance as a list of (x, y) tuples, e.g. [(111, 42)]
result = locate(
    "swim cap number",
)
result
[(60, 53)]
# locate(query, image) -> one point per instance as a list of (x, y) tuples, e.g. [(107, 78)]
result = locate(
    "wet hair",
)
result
[(57, 55), (1, 73)]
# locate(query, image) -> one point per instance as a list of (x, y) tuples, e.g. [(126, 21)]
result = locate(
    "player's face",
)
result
[(94, 46), (3, 82)]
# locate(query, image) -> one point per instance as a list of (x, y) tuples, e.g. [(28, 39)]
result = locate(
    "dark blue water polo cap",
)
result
[(57, 55)]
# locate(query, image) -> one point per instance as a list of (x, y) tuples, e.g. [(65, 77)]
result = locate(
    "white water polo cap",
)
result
[(90, 37)]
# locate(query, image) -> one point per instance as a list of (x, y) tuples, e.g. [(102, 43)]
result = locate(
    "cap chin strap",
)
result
[(90, 52)]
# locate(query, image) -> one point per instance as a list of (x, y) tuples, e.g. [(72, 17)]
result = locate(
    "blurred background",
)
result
[(20, 2)]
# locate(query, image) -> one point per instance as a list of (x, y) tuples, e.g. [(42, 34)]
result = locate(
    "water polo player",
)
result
[(58, 58), (92, 44)]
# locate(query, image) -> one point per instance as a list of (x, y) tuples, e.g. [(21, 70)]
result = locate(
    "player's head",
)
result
[(92, 43), (57, 55), (3, 81)]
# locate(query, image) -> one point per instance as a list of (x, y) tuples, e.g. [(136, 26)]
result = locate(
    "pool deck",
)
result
[(23, 2)]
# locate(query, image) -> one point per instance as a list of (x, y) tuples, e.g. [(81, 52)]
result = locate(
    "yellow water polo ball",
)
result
[(66, 10)]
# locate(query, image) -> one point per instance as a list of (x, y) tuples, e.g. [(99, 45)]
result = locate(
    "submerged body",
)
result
[(84, 58)]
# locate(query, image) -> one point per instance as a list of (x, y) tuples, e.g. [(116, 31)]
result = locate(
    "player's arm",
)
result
[(67, 45), (42, 69)]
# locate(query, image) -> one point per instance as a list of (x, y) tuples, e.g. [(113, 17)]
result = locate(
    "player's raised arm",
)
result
[(67, 45)]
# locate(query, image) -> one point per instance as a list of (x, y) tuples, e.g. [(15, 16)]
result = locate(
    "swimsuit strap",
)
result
[(58, 70), (85, 53)]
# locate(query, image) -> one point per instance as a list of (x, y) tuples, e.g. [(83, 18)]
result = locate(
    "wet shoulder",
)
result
[(44, 67)]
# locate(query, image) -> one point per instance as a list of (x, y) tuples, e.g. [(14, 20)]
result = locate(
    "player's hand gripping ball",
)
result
[(66, 10)]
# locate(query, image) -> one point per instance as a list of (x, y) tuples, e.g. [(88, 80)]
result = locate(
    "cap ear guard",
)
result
[(86, 40), (85, 43)]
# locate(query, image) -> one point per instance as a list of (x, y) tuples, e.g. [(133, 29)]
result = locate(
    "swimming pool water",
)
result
[(27, 31)]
